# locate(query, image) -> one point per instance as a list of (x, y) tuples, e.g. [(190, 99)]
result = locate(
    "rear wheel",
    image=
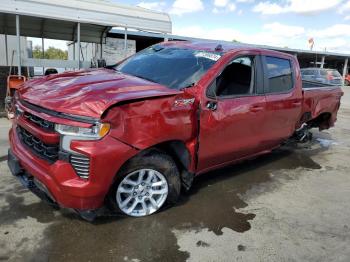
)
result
[(145, 185)]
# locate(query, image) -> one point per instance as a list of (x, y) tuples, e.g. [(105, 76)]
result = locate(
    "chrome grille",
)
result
[(81, 165), (39, 121), (45, 151)]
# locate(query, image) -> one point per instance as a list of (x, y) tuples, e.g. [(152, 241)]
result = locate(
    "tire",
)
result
[(162, 171)]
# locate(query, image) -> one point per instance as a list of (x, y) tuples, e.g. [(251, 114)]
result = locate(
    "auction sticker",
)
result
[(211, 56)]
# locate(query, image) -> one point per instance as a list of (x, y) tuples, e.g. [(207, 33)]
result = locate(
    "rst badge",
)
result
[(184, 102)]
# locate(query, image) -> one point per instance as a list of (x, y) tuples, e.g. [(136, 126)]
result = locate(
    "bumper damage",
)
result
[(58, 184), (28, 181)]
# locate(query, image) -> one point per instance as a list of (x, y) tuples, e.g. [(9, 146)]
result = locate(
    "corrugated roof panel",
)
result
[(91, 12)]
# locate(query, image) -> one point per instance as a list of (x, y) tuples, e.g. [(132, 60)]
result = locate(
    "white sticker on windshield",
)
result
[(211, 56)]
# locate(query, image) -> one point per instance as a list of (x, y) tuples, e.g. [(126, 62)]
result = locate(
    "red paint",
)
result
[(88, 93), (143, 114)]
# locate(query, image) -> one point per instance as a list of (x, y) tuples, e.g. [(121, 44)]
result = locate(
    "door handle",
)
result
[(296, 103), (256, 108), (212, 105)]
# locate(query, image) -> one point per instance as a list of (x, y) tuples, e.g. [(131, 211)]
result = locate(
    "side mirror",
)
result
[(211, 91)]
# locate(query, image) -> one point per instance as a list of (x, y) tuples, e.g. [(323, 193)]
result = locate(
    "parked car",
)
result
[(132, 137), (347, 80), (322, 75)]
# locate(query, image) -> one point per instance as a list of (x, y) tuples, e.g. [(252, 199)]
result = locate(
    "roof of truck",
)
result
[(218, 46)]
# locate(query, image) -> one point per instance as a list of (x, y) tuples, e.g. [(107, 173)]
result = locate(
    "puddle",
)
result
[(17, 210), (326, 142), (212, 204)]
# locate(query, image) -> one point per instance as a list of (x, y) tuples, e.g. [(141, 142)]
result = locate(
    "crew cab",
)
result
[(133, 136)]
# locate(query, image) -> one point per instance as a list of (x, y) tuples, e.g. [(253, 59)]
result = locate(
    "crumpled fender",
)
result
[(143, 124)]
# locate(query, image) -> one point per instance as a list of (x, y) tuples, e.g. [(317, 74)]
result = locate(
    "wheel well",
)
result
[(177, 150), (322, 121)]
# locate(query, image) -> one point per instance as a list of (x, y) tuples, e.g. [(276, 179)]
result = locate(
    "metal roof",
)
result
[(281, 49), (57, 19)]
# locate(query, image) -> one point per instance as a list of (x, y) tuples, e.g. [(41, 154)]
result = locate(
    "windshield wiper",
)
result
[(146, 78)]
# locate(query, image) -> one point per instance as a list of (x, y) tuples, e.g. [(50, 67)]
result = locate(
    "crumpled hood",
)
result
[(90, 92)]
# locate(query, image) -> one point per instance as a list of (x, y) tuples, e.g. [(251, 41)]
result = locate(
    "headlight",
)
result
[(95, 132), (69, 133)]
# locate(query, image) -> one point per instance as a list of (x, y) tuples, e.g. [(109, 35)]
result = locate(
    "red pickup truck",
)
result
[(132, 136)]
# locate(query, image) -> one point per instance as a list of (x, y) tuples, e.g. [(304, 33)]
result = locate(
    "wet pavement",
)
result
[(292, 204), (4, 127)]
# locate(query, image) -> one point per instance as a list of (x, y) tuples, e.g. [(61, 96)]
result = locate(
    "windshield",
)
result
[(173, 67)]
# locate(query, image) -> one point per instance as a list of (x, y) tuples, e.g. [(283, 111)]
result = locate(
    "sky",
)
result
[(282, 23)]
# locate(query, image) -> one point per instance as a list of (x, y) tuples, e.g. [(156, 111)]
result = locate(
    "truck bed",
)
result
[(321, 101)]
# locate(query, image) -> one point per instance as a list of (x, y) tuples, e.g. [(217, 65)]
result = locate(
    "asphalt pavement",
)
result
[(290, 205)]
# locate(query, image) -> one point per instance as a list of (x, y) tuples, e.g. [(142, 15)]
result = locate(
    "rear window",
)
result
[(279, 72)]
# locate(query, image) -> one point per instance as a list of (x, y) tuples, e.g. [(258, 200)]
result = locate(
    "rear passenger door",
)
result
[(283, 98)]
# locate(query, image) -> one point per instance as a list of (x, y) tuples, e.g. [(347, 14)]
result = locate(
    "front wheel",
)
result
[(145, 185)]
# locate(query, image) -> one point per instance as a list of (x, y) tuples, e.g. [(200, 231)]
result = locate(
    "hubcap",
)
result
[(142, 192)]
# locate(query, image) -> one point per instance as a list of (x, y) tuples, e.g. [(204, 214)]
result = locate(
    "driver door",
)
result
[(232, 117)]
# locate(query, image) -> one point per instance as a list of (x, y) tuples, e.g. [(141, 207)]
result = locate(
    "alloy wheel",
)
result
[(142, 192)]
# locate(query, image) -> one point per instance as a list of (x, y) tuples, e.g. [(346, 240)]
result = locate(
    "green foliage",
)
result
[(50, 53)]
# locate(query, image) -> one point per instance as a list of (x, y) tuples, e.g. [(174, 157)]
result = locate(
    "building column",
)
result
[(6, 51), (78, 43), (322, 61), (345, 69), (18, 35), (126, 42)]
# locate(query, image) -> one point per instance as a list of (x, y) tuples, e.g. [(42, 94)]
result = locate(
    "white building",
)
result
[(9, 57)]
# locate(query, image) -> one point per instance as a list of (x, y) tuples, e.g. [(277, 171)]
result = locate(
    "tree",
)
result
[(50, 53)]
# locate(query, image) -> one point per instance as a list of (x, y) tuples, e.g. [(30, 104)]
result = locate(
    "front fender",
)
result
[(153, 121)]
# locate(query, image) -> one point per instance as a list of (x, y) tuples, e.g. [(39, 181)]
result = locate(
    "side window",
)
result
[(279, 74), (323, 72), (237, 78)]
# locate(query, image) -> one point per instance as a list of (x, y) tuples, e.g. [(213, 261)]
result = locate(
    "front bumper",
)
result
[(59, 180), (29, 181)]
